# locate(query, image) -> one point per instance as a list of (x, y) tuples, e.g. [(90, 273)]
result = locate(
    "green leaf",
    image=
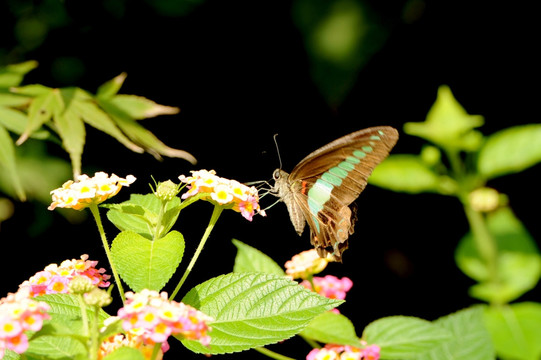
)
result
[(252, 310), (249, 259), (97, 118), (8, 163), (139, 108), (15, 121), (62, 337), (146, 264), (516, 330), (519, 262), (111, 87), (510, 151), (12, 75), (141, 136), (125, 353), (40, 111), (70, 128), (140, 213), (332, 328), (471, 339), (405, 337), (408, 173), (448, 125)]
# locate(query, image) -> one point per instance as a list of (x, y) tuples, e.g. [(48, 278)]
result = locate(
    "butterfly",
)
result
[(322, 188)]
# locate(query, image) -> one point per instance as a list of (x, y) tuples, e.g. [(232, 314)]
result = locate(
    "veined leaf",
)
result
[(405, 337), (516, 330), (249, 259), (471, 339), (140, 213), (510, 151), (331, 328), (146, 264), (252, 310)]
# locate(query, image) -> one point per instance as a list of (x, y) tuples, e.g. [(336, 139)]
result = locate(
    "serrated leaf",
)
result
[(140, 213), (516, 330), (471, 339), (55, 347), (511, 150), (408, 173), (146, 264), (252, 310), (8, 162), (249, 259), (519, 262), (404, 337), (332, 328)]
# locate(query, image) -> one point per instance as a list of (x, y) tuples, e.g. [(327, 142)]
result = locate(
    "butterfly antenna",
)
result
[(277, 151)]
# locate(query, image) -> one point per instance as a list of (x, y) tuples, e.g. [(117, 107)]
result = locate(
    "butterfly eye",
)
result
[(276, 174)]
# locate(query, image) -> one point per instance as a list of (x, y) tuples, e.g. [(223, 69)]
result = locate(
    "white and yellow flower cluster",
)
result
[(224, 192), (88, 190)]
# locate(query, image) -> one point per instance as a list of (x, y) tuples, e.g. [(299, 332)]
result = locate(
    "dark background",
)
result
[(240, 73)]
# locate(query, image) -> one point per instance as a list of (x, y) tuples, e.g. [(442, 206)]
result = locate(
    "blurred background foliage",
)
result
[(310, 71)]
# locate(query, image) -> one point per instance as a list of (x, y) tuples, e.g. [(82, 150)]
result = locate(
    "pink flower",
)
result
[(19, 313), (156, 318), (339, 352), (330, 286), (305, 264), (224, 192)]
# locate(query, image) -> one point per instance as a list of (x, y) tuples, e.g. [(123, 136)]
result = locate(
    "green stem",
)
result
[(272, 354), (484, 242), (95, 212), (213, 219), (158, 228), (94, 335), (84, 315), (155, 351)]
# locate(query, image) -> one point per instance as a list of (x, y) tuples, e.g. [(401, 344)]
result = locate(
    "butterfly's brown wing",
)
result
[(326, 182)]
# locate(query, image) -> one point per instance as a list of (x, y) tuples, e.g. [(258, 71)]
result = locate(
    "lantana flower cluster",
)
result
[(87, 190), (329, 286), (305, 264), (19, 313), (224, 192), (155, 318), (129, 339), (56, 278), (338, 352)]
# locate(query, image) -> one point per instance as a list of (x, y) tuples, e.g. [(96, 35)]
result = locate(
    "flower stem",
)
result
[(213, 219), (272, 354), (95, 212)]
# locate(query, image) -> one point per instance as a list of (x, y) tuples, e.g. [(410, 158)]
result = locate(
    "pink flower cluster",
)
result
[(338, 352), (224, 192), (129, 339), (153, 316), (56, 278), (330, 286), (18, 313)]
